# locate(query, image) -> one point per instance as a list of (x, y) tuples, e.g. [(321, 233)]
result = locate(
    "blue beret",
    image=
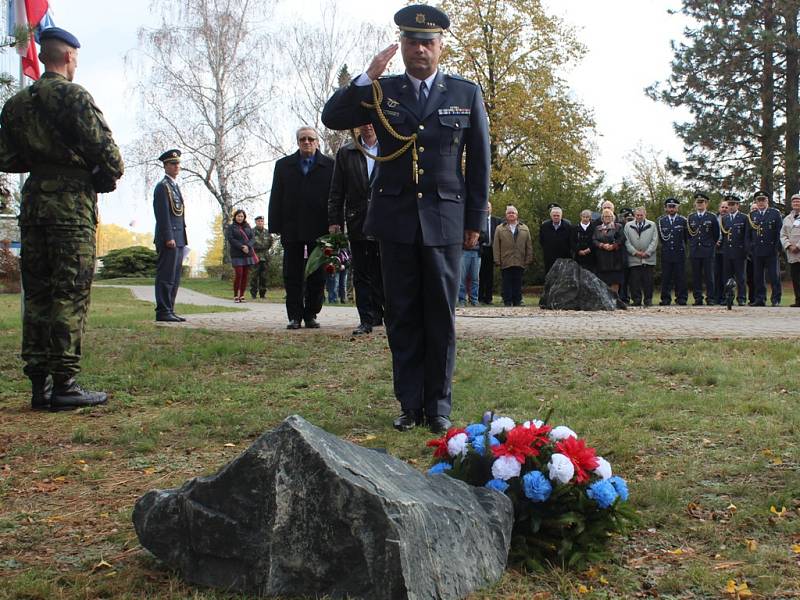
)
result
[(669, 201), (171, 156), (56, 33), (421, 22)]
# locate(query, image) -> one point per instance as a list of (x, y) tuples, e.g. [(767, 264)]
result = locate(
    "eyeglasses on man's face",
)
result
[(307, 139)]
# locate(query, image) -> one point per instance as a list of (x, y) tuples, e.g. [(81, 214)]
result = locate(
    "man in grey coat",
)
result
[(641, 241)]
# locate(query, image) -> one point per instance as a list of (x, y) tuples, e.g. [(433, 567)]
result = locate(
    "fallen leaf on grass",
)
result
[(102, 565), (725, 566), (796, 548), (737, 590), (676, 552), (582, 589), (778, 513), (751, 545), (229, 445), (706, 514)]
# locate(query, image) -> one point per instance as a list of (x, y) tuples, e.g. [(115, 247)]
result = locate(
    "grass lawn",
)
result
[(707, 434)]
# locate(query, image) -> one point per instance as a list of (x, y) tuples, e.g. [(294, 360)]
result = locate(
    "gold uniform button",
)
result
[(421, 127), (422, 148), (419, 195), (422, 171), (458, 124)]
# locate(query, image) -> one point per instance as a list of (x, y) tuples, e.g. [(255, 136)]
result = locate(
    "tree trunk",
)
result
[(768, 101), (792, 117)]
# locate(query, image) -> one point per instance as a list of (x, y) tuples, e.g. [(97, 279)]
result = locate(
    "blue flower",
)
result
[(536, 486), (439, 468), (493, 441), (621, 487), (603, 493), (497, 484), (479, 444), (475, 430)]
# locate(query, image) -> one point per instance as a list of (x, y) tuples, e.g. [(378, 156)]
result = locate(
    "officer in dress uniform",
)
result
[(672, 229), (703, 236), (735, 234), (424, 208), (765, 247), (170, 239)]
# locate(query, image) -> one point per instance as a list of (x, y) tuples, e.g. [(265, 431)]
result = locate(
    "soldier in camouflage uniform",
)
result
[(54, 130), (262, 242)]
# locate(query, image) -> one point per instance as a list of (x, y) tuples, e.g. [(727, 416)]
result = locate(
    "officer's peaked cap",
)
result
[(760, 194), (171, 156), (669, 201), (700, 196), (421, 22)]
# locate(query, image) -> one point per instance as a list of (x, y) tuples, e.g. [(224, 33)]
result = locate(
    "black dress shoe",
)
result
[(311, 323), (168, 319), (180, 318), (408, 419), (662, 303), (68, 395), (362, 329), (757, 304), (439, 424), (795, 305), (293, 324), (697, 303), (681, 303)]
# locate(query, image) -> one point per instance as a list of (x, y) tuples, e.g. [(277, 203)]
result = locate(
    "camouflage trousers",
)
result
[(57, 263), (259, 276)]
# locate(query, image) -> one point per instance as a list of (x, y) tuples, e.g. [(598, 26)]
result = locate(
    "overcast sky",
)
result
[(628, 44)]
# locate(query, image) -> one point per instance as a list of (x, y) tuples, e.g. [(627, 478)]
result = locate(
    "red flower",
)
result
[(328, 251), (441, 443), (583, 457), (522, 442), (329, 268)]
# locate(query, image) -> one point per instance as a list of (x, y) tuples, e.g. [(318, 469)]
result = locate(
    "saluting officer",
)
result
[(703, 236), (672, 229), (170, 238), (422, 211), (735, 233), (765, 246)]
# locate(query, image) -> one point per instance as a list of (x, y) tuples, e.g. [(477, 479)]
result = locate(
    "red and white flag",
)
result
[(28, 14)]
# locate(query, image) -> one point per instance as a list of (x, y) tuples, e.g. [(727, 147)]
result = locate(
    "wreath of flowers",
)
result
[(566, 499), (331, 252)]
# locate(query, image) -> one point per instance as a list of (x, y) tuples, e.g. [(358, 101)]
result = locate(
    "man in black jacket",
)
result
[(298, 212), (555, 237), (348, 202), (486, 278)]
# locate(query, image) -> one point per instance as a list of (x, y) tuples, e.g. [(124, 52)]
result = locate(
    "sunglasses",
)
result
[(307, 139)]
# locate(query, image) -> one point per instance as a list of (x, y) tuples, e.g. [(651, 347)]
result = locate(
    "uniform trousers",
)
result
[(767, 266), (486, 275), (673, 276), (421, 284), (303, 296), (168, 278), (367, 281), (640, 279), (719, 279), (259, 276), (703, 273), (734, 267), (57, 264)]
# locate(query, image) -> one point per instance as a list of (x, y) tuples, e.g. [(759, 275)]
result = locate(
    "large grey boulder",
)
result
[(304, 513), (568, 286)]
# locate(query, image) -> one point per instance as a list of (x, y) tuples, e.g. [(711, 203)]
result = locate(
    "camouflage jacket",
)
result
[(262, 242), (54, 130)]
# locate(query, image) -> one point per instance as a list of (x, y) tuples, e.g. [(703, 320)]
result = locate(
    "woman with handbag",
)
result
[(240, 247)]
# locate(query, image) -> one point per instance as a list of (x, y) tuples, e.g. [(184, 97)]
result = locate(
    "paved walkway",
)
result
[(684, 322)]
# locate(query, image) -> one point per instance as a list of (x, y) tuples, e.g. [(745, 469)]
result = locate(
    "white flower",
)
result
[(561, 468), (603, 469), (533, 423), (457, 444), (561, 433), (501, 424), (506, 467)]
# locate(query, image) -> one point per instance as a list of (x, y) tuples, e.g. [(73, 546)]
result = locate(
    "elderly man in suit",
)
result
[(424, 207), (298, 211), (641, 241), (170, 239), (347, 204)]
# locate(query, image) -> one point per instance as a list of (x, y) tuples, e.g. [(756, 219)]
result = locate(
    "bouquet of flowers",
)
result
[(566, 500), (332, 251)]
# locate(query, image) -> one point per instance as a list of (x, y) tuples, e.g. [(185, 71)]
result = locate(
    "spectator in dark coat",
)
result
[(609, 243), (240, 247), (298, 212), (486, 277), (581, 241), (554, 237)]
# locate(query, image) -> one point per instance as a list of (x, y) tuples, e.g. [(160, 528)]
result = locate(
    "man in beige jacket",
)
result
[(513, 251), (790, 240)]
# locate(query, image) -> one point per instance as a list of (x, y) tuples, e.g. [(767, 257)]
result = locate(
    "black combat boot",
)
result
[(41, 391), (68, 395)]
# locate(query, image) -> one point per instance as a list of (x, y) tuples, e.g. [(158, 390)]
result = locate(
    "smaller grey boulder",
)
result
[(304, 513), (568, 286)]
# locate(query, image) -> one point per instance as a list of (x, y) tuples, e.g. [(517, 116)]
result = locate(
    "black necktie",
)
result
[(423, 96)]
